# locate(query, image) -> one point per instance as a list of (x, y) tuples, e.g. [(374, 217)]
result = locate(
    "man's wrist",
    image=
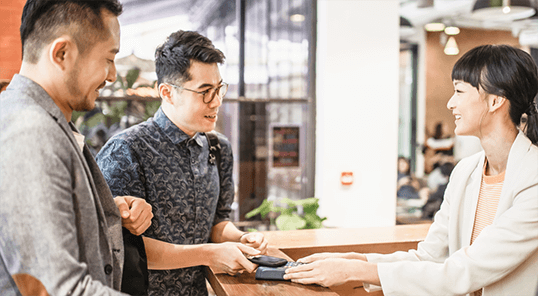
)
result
[(207, 251)]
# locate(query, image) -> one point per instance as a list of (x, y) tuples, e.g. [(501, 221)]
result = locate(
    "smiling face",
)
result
[(92, 69), (187, 109), (469, 107)]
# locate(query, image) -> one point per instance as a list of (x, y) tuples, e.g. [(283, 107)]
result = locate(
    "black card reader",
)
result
[(274, 273)]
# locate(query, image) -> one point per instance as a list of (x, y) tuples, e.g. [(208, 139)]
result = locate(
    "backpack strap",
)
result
[(214, 149)]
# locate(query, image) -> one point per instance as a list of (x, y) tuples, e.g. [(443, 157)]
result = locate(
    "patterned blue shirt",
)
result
[(157, 161)]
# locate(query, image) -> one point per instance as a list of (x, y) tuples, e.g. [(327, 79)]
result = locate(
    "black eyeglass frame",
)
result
[(217, 89)]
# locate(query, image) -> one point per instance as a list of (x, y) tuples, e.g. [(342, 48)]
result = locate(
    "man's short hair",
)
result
[(44, 20), (173, 58)]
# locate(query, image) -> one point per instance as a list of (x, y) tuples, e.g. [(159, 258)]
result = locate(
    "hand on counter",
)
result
[(135, 213), (255, 240), (333, 272), (230, 258), (327, 255)]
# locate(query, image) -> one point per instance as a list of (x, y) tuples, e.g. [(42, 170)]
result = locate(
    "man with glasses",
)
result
[(166, 161)]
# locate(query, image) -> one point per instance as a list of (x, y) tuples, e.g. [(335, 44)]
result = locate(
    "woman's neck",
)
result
[(497, 145)]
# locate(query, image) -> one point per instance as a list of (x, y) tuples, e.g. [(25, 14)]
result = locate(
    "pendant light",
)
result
[(502, 10), (435, 26), (451, 47)]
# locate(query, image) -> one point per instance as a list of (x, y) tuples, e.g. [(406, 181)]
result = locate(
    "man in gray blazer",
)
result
[(59, 223)]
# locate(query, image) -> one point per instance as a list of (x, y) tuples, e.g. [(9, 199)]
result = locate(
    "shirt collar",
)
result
[(174, 133), (38, 94)]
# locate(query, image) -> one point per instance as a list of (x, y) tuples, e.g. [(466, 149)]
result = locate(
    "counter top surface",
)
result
[(247, 285), (298, 243), (346, 236)]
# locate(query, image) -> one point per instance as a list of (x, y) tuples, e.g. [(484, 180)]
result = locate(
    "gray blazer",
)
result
[(58, 220)]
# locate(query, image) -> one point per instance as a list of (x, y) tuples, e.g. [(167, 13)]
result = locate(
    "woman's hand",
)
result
[(323, 256), (334, 272), (327, 272)]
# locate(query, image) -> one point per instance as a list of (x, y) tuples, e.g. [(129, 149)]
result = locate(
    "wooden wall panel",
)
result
[(439, 87)]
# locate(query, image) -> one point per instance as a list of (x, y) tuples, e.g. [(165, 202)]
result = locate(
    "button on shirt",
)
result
[(157, 161)]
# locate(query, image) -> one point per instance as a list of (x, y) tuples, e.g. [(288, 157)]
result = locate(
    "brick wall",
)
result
[(439, 87), (10, 44)]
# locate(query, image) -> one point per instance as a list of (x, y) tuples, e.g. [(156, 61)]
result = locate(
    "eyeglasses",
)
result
[(209, 94)]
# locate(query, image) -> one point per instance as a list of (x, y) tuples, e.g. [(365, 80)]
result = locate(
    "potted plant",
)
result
[(296, 214)]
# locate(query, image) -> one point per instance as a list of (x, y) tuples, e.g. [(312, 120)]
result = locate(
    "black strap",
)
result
[(135, 278), (214, 149)]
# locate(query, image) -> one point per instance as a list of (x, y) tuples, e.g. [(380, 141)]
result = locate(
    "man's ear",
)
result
[(496, 102), (63, 53), (165, 92)]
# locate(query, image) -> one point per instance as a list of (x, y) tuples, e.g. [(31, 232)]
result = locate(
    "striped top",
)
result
[(488, 200)]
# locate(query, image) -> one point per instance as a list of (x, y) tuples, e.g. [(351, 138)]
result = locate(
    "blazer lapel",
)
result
[(41, 97), (472, 190), (513, 168), (86, 157), (106, 201)]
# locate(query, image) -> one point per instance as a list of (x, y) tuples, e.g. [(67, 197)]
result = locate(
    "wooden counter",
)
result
[(296, 244)]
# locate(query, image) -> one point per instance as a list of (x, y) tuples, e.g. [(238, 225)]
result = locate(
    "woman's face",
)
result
[(469, 107), (403, 166)]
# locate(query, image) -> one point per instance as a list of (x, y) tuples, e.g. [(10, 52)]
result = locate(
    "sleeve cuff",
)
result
[(371, 288)]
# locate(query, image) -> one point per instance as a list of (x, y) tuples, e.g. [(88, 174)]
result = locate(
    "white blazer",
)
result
[(504, 257)]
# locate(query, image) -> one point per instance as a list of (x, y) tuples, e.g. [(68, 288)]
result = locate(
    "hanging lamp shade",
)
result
[(424, 3), (452, 30), (435, 26), (451, 47), (405, 22), (406, 28), (503, 10)]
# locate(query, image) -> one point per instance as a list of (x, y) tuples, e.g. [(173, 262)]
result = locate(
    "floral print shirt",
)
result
[(157, 161)]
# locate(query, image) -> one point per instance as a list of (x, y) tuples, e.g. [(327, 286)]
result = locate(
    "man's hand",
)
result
[(255, 240), (230, 258), (135, 213)]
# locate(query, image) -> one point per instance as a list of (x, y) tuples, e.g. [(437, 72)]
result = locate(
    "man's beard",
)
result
[(79, 101)]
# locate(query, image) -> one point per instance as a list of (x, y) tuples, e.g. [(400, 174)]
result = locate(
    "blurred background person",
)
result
[(437, 146)]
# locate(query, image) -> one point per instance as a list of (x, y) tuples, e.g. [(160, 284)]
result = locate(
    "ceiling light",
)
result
[(502, 9), (451, 47), (406, 28), (434, 27), (424, 3), (405, 22), (452, 30), (297, 18)]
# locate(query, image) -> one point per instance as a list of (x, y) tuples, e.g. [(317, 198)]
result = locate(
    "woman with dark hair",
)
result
[(484, 239)]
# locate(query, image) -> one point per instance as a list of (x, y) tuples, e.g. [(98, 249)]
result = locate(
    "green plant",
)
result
[(289, 218)]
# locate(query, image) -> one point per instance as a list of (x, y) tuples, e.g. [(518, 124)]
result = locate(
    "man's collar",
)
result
[(37, 93), (174, 133)]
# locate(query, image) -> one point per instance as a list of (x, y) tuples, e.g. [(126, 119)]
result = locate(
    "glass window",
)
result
[(277, 40), (270, 123)]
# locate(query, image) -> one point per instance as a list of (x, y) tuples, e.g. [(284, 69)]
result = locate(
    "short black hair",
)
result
[(505, 71), (174, 57), (44, 20)]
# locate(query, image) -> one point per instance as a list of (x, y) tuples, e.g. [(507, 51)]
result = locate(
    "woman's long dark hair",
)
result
[(504, 71)]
